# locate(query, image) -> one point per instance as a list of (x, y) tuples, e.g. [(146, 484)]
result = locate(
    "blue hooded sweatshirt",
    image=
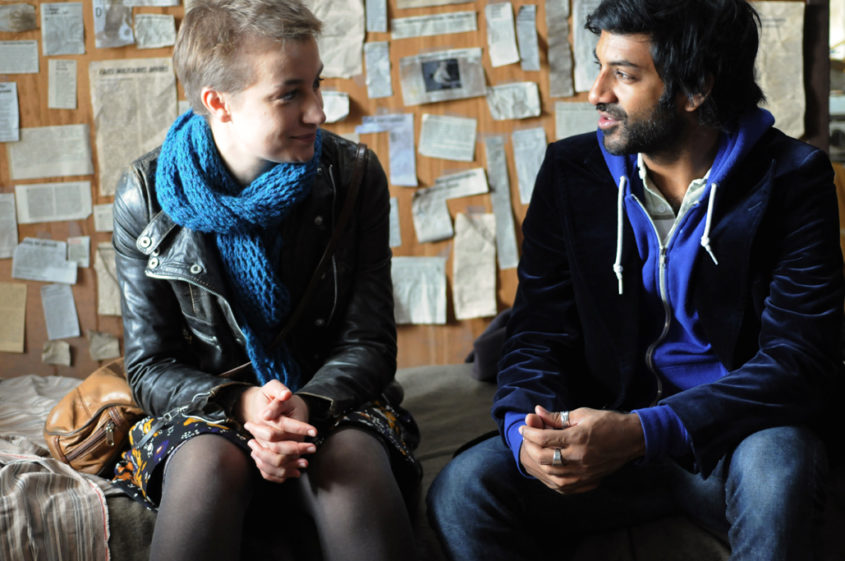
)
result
[(680, 357)]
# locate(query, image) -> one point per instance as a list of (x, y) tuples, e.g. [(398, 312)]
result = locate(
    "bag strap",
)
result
[(348, 208)]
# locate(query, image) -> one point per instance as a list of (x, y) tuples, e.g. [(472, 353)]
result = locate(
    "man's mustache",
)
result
[(614, 111)]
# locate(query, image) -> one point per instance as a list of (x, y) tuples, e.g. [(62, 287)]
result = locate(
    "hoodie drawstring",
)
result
[(705, 237), (620, 206)]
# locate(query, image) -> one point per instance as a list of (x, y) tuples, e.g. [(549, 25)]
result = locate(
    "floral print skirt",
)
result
[(138, 472)]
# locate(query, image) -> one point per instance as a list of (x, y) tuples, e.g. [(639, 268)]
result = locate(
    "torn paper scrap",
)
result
[(342, 38), (526, 35), (79, 250), (103, 346), (448, 137), (419, 290), (19, 57), (442, 75), (433, 24), (501, 36), (9, 112), (43, 260), (516, 100), (62, 29), (529, 148), (500, 197), (108, 291), (376, 11), (8, 225), (153, 31), (335, 106), (574, 117), (56, 353), (474, 266), (112, 24), (13, 310), (377, 63), (54, 151), (559, 51), (61, 83), (52, 202), (59, 311), (584, 44), (395, 232), (401, 159), (16, 18)]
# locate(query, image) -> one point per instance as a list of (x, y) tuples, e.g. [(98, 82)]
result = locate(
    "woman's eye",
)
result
[(317, 82)]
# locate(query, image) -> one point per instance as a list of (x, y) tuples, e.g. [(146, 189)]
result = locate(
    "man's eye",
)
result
[(287, 96)]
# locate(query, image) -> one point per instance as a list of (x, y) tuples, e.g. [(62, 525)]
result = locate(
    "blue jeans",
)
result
[(765, 499)]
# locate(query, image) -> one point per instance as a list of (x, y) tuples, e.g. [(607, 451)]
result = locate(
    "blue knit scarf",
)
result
[(197, 191)]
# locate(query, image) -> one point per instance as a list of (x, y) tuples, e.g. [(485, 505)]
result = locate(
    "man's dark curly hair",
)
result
[(695, 44)]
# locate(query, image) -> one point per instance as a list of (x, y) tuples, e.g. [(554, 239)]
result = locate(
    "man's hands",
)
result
[(594, 444), (278, 421)]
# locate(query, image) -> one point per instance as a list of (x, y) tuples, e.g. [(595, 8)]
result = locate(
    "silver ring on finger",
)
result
[(557, 460), (564, 418)]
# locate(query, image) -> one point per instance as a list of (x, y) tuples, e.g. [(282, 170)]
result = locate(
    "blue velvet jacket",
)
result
[(771, 308)]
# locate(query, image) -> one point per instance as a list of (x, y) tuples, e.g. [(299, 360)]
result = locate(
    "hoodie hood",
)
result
[(733, 147)]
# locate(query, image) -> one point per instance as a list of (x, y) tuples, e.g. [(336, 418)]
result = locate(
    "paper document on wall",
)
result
[(52, 202), (342, 38), (79, 250), (376, 11), (500, 197), (780, 63), (43, 260), (584, 44), (59, 311), (51, 152), (56, 352), (19, 57), (108, 291), (377, 63), (153, 31), (112, 24), (526, 35), (104, 217), (474, 266), (395, 232), (419, 290), (429, 210), (61, 83), (442, 75), (448, 137), (517, 100), (13, 311), (103, 346), (134, 104), (401, 158), (403, 4), (335, 106), (8, 225), (9, 113), (16, 18), (62, 29), (434, 24), (529, 148), (559, 51), (572, 117), (501, 35)]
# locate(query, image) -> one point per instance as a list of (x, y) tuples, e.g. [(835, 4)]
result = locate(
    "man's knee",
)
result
[(791, 460), (471, 479)]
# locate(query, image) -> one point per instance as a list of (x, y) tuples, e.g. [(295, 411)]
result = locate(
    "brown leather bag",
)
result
[(88, 428)]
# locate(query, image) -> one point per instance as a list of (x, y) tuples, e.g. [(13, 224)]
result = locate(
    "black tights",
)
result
[(214, 506)]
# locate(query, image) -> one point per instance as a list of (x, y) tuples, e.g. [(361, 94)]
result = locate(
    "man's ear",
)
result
[(216, 103), (695, 100)]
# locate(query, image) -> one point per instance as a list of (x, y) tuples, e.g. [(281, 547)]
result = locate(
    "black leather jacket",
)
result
[(179, 328)]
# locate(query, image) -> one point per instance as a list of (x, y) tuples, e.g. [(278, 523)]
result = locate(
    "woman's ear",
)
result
[(216, 103)]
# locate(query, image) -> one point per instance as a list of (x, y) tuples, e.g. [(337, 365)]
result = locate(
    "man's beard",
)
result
[(657, 132)]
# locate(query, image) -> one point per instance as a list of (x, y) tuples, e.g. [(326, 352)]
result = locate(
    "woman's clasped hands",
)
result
[(278, 422)]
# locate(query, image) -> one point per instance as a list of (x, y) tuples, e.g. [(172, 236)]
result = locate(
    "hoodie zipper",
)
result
[(664, 299)]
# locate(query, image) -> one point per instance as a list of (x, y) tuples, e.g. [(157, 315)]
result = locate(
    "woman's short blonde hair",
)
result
[(214, 34)]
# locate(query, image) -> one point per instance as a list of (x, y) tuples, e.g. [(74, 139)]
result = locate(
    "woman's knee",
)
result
[(209, 455)]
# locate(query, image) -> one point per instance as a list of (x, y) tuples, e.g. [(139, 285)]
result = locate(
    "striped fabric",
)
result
[(48, 511)]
